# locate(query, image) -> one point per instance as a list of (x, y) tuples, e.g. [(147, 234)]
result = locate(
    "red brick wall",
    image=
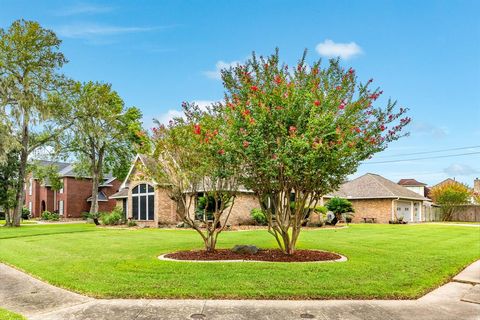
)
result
[(34, 198), (77, 192), (110, 204)]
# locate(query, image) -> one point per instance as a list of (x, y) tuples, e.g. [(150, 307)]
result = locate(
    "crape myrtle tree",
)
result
[(450, 196), (29, 72), (194, 155), (300, 132), (104, 135)]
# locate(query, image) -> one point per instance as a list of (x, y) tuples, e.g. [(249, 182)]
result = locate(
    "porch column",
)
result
[(411, 211), (420, 207), (393, 210)]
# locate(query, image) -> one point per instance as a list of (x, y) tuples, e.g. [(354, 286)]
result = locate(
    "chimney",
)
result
[(476, 185)]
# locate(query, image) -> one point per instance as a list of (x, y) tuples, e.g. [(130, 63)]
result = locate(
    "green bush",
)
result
[(111, 218), (131, 223), (50, 216), (26, 214), (339, 205), (259, 217)]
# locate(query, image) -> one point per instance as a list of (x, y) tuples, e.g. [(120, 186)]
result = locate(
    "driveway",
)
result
[(459, 299)]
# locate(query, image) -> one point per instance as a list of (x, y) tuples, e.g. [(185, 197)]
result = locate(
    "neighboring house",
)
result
[(75, 196), (374, 196), (415, 186), (148, 204), (475, 190)]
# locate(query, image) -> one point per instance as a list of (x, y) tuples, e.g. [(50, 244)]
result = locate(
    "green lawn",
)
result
[(2, 222), (385, 261), (8, 315)]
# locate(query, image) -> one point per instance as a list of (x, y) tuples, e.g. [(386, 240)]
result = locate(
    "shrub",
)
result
[(131, 223), (50, 216), (112, 218), (25, 213), (340, 207), (259, 217)]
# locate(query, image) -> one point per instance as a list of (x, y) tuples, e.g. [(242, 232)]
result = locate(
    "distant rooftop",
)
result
[(411, 183), (374, 186)]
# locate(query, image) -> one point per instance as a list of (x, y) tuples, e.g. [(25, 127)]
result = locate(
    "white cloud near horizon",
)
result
[(82, 8), (331, 49), (216, 74), (165, 117), (87, 31), (423, 128), (457, 169)]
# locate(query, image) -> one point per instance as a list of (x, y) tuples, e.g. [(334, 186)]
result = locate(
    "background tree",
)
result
[(339, 206), (103, 135), (8, 184), (301, 132), (29, 64), (476, 198), (449, 196), (194, 155)]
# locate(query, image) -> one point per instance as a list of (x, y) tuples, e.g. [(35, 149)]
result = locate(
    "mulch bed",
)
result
[(272, 255)]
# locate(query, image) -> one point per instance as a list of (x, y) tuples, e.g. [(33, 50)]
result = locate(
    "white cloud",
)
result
[(83, 8), (165, 118), (457, 169), (215, 74), (331, 49), (88, 31), (423, 128)]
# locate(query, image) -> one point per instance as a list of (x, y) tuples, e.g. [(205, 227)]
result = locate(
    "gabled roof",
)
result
[(448, 180), (100, 196), (120, 194), (374, 186), (148, 162), (411, 183), (65, 169)]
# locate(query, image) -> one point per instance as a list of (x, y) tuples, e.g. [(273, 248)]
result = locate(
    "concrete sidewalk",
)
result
[(40, 301)]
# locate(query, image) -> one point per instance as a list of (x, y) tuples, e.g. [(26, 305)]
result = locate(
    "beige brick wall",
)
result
[(165, 208), (244, 203), (380, 209)]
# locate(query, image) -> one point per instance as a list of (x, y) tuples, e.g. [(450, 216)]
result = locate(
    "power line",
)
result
[(424, 158), (427, 152)]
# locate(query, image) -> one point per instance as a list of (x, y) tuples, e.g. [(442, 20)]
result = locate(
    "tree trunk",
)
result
[(96, 172), (8, 219), (94, 202), (20, 197)]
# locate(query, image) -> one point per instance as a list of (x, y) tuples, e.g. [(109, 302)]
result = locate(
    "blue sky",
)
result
[(425, 54)]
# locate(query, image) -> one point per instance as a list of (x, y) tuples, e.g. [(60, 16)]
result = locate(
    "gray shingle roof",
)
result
[(120, 194), (100, 196), (374, 186)]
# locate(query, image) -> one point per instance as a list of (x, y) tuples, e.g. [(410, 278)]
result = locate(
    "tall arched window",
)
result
[(143, 202)]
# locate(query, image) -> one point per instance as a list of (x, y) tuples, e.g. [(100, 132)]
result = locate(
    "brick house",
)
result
[(374, 196), (75, 196), (148, 204)]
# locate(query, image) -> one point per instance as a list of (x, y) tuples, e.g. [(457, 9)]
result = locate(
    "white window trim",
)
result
[(30, 187), (146, 193), (60, 207)]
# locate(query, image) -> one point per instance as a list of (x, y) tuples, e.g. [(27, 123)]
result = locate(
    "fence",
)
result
[(467, 213)]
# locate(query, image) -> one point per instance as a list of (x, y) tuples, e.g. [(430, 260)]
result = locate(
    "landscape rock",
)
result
[(248, 249)]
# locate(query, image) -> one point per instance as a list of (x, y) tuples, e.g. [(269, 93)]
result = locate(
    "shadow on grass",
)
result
[(43, 234)]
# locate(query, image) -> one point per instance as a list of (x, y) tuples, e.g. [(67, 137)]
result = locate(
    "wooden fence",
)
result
[(468, 213)]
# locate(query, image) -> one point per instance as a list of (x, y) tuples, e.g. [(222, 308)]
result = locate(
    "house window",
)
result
[(30, 206), (143, 202), (406, 209), (30, 187), (60, 207)]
